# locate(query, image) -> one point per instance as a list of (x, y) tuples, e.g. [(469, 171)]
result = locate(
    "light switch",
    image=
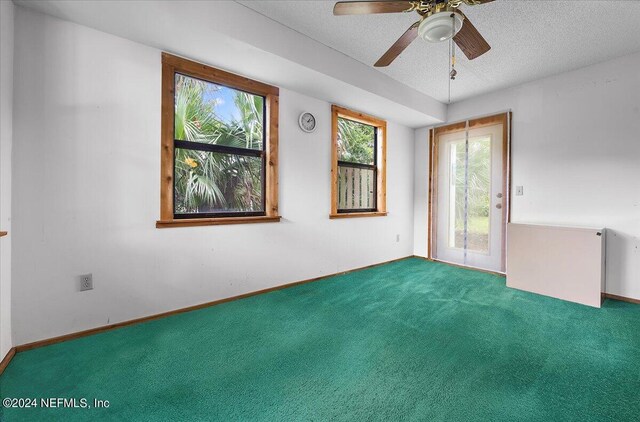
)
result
[(519, 191)]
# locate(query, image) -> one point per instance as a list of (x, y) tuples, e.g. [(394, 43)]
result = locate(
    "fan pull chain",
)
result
[(452, 54), (454, 72), (449, 100)]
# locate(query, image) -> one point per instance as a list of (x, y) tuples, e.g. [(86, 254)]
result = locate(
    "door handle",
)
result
[(499, 206), (499, 195)]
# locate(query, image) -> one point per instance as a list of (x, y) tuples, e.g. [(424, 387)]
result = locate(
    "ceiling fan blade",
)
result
[(470, 41), (399, 46), (370, 7), (476, 2)]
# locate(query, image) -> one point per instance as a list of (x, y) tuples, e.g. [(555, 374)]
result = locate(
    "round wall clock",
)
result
[(307, 122)]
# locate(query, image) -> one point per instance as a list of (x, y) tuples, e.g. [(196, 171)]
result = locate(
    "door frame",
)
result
[(505, 118)]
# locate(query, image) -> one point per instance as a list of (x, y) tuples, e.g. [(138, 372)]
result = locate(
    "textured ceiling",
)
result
[(529, 40)]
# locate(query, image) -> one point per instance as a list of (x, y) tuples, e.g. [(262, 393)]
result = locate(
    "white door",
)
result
[(470, 198)]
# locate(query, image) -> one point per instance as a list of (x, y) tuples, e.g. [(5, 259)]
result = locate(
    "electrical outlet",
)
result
[(397, 238), (86, 282), (519, 191)]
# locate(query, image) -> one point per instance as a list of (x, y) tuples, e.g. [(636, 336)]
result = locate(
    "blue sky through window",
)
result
[(224, 98)]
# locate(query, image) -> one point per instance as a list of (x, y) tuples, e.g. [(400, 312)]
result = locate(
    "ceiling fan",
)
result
[(439, 21)]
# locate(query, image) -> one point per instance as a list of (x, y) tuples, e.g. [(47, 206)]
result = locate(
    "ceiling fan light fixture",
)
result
[(440, 26)]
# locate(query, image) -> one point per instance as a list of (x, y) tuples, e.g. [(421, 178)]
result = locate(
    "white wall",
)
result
[(6, 138), (249, 43), (576, 152), (86, 193), (421, 192)]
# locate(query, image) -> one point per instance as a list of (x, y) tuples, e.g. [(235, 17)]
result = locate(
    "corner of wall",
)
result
[(421, 191), (6, 140)]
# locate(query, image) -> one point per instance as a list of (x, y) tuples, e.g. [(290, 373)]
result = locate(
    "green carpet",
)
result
[(410, 340)]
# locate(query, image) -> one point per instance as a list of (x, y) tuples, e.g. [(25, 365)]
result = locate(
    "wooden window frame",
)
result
[(170, 66), (381, 162)]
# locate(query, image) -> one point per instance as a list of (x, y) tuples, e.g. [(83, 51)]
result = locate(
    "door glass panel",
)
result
[(479, 190), (456, 194), (469, 194)]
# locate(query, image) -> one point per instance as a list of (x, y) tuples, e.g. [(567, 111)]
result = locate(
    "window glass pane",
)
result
[(356, 142), (356, 188), (212, 182), (214, 114)]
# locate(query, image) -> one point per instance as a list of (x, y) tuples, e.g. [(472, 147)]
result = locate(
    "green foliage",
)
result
[(210, 182), (355, 142)]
